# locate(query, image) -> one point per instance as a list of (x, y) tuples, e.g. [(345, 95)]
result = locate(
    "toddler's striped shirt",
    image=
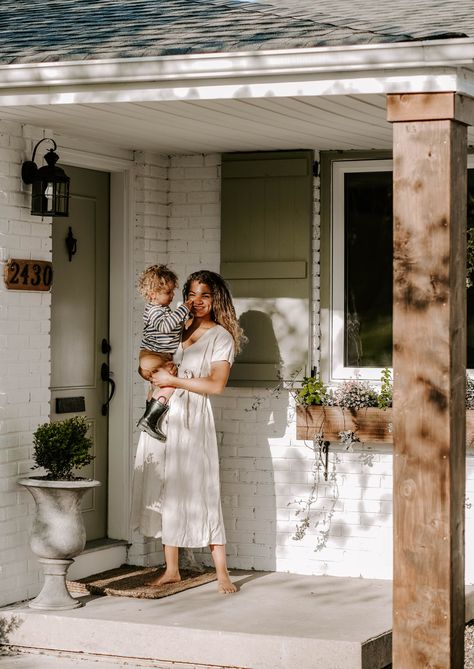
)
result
[(162, 327)]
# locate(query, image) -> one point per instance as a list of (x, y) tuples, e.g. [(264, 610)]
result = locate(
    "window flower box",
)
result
[(371, 425)]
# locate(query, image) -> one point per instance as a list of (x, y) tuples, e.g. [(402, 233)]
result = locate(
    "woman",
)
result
[(190, 506)]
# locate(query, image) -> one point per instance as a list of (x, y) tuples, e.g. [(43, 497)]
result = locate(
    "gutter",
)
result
[(199, 68)]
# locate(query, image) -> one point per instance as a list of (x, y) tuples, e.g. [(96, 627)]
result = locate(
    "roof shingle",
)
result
[(35, 31)]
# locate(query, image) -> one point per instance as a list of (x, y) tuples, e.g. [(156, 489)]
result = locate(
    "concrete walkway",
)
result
[(275, 621)]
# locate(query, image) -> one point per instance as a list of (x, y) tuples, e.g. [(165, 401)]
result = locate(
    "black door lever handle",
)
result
[(105, 376)]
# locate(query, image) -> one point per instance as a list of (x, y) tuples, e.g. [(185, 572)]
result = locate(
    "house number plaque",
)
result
[(28, 274)]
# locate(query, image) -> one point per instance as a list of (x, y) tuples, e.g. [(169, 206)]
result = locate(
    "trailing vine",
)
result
[(307, 505)]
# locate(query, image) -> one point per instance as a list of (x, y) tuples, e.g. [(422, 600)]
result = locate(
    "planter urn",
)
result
[(57, 536)]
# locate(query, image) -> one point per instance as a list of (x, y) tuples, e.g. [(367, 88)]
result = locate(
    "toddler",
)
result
[(161, 336)]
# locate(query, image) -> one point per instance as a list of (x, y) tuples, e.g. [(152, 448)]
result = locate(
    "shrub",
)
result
[(61, 447)]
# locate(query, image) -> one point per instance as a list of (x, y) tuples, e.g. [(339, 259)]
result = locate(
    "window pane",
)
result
[(368, 269)]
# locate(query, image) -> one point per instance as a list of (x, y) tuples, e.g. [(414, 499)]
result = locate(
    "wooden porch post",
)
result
[(429, 360)]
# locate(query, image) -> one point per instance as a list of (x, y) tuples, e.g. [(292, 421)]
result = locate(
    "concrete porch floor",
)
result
[(275, 621)]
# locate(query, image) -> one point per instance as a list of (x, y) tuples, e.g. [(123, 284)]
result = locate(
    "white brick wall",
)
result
[(194, 221), (25, 358), (267, 476)]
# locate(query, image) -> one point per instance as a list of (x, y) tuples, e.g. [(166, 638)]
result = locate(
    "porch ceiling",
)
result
[(323, 122), (332, 122)]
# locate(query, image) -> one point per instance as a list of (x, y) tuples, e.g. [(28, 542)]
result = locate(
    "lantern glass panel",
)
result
[(61, 198), (50, 198)]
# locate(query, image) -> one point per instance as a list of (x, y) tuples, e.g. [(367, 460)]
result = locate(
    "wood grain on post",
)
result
[(429, 359)]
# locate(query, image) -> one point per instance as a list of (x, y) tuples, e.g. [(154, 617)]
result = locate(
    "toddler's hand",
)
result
[(171, 368), (189, 303)]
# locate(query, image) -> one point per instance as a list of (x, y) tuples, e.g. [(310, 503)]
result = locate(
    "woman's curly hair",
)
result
[(223, 311), (155, 277)]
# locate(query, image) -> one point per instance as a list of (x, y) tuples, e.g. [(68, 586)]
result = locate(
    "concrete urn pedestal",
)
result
[(58, 535)]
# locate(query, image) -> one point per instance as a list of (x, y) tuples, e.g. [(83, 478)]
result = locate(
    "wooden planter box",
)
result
[(370, 425)]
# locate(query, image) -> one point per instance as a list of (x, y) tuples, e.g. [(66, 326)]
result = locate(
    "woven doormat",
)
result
[(132, 581)]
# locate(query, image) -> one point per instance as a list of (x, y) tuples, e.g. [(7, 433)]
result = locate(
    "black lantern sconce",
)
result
[(50, 184)]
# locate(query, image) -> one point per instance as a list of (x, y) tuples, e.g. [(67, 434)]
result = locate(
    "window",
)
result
[(357, 307)]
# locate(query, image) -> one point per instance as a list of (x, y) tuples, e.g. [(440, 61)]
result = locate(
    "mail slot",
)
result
[(70, 404)]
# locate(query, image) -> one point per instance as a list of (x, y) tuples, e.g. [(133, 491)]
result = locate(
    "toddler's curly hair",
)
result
[(155, 277)]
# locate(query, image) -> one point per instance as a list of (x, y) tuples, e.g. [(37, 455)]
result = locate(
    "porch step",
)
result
[(276, 621), (40, 660), (97, 556)]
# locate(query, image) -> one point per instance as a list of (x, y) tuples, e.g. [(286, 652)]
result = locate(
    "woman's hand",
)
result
[(213, 384), (163, 378)]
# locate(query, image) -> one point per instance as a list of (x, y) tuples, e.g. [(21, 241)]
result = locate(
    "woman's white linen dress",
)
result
[(176, 490)]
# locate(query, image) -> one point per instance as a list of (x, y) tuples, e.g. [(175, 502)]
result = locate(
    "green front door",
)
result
[(79, 324)]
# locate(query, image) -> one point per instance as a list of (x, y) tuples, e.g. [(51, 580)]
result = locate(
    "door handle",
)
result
[(105, 376)]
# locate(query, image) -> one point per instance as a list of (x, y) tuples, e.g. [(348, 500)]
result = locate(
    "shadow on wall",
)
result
[(262, 347), (278, 334)]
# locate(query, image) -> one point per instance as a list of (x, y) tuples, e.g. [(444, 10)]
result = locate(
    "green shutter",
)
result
[(266, 256)]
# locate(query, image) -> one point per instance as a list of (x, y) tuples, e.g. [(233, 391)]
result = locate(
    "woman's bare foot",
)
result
[(225, 585), (167, 577)]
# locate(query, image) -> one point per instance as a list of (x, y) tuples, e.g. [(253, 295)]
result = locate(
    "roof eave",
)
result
[(400, 55), (180, 73)]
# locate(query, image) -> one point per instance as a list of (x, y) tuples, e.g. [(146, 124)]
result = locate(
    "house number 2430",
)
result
[(28, 274)]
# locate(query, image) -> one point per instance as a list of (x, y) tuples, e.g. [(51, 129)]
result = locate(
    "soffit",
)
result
[(325, 122), (332, 122)]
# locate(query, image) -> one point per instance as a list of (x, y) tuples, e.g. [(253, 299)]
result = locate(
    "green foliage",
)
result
[(470, 242), (470, 257), (351, 394), (313, 391), (61, 447), (384, 398), (469, 392)]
